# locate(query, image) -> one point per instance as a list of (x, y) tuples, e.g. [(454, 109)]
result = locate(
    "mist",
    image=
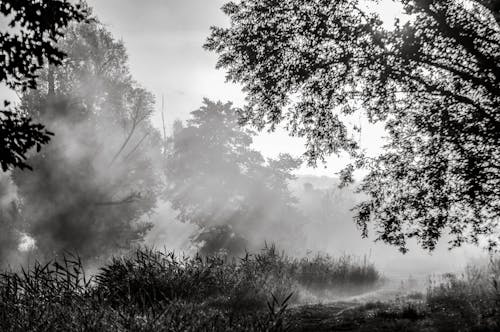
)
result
[(327, 227), (112, 178), (92, 186), (249, 165)]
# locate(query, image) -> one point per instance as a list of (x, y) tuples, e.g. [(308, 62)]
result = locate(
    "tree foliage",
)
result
[(18, 134), (92, 186), (218, 182), (34, 27), (434, 80)]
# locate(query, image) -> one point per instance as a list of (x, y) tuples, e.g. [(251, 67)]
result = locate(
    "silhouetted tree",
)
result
[(93, 184), (218, 182), (34, 27), (434, 80)]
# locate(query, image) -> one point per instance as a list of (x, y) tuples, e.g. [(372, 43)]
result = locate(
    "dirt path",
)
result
[(341, 314), (321, 317)]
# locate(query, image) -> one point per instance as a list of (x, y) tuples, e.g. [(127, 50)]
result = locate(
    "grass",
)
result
[(345, 274), (466, 302), (470, 300), (151, 290)]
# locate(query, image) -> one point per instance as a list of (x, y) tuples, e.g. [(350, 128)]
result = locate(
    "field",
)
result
[(151, 290)]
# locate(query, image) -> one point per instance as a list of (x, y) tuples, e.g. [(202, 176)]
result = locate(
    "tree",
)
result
[(218, 182), (34, 29), (92, 186), (434, 81)]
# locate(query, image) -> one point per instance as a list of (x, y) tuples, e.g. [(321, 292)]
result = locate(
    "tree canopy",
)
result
[(433, 79), (28, 42)]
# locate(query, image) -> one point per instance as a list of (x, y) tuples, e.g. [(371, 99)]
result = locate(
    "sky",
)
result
[(164, 40)]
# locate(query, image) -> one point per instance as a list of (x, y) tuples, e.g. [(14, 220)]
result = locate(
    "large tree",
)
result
[(92, 185), (216, 180), (434, 80), (29, 41)]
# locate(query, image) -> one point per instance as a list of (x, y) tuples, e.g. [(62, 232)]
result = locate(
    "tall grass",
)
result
[(151, 290), (150, 276), (344, 273), (469, 301), (241, 283), (130, 294)]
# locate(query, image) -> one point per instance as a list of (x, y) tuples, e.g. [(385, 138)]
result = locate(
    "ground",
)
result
[(393, 307)]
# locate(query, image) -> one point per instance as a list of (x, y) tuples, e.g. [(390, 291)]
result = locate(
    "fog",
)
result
[(113, 177), (91, 186), (328, 228)]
